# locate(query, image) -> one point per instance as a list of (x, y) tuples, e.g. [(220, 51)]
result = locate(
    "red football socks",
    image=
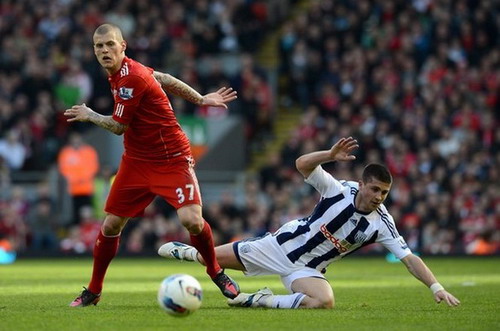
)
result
[(204, 243), (105, 249)]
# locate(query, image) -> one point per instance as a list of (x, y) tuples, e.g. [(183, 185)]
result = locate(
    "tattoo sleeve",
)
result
[(178, 87), (108, 123)]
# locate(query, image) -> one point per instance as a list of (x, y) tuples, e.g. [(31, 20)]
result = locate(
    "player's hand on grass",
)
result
[(447, 297), (220, 98), (78, 113)]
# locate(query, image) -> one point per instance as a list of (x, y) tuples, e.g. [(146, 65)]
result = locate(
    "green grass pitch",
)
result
[(370, 293)]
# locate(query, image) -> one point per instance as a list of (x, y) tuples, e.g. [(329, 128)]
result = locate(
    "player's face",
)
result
[(109, 50), (371, 194)]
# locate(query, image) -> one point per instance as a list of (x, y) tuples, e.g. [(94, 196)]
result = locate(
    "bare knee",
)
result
[(193, 226), (319, 293), (327, 304), (113, 225), (190, 217)]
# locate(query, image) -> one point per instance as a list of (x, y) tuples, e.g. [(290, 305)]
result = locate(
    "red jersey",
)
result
[(153, 132)]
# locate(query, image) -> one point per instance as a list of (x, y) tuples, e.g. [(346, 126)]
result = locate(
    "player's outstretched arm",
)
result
[(341, 151), (419, 269), (82, 113), (220, 98)]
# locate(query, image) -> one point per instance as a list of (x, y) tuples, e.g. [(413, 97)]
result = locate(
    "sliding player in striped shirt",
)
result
[(348, 216)]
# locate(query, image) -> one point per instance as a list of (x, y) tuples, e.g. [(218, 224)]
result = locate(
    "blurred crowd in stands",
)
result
[(47, 65), (416, 82)]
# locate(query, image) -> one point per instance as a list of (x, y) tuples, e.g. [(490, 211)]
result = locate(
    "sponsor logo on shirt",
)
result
[(125, 93), (341, 246), (403, 243)]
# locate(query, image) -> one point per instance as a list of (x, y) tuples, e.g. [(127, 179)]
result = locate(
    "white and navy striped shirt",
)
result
[(336, 228)]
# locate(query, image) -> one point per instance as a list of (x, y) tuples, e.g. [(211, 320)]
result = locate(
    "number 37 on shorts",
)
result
[(188, 192)]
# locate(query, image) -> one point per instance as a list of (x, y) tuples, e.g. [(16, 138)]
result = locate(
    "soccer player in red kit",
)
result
[(157, 158)]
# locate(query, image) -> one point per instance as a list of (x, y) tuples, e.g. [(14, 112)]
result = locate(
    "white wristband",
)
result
[(436, 287)]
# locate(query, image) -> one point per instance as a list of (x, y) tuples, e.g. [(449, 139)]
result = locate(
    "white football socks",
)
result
[(282, 301), (191, 254)]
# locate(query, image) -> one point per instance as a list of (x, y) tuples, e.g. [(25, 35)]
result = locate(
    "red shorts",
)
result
[(138, 182)]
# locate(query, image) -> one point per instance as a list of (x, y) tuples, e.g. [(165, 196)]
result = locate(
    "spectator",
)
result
[(13, 213), (76, 85), (43, 221), (81, 237), (78, 164), (12, 150), (102, 185), (5, 181), (483, 245), (89, 227)]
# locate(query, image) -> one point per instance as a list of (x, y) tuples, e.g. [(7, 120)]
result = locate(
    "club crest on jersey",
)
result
[(360, 237), (125, 93), (245, 248)]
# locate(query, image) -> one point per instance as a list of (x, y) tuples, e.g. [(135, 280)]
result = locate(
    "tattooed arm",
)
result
[(175, 86), (83, 113)]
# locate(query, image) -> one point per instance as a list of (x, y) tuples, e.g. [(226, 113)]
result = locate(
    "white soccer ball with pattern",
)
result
[(180, 295)]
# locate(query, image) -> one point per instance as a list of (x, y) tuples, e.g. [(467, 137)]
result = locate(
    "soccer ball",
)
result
[(180, 295)]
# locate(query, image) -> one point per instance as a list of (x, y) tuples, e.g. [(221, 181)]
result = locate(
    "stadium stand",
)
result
[(416, 82)]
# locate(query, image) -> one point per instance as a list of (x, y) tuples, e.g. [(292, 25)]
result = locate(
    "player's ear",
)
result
[(124, 45)]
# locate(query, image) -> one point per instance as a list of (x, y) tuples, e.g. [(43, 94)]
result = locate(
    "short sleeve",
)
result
[(323, 182), (391, 239)]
